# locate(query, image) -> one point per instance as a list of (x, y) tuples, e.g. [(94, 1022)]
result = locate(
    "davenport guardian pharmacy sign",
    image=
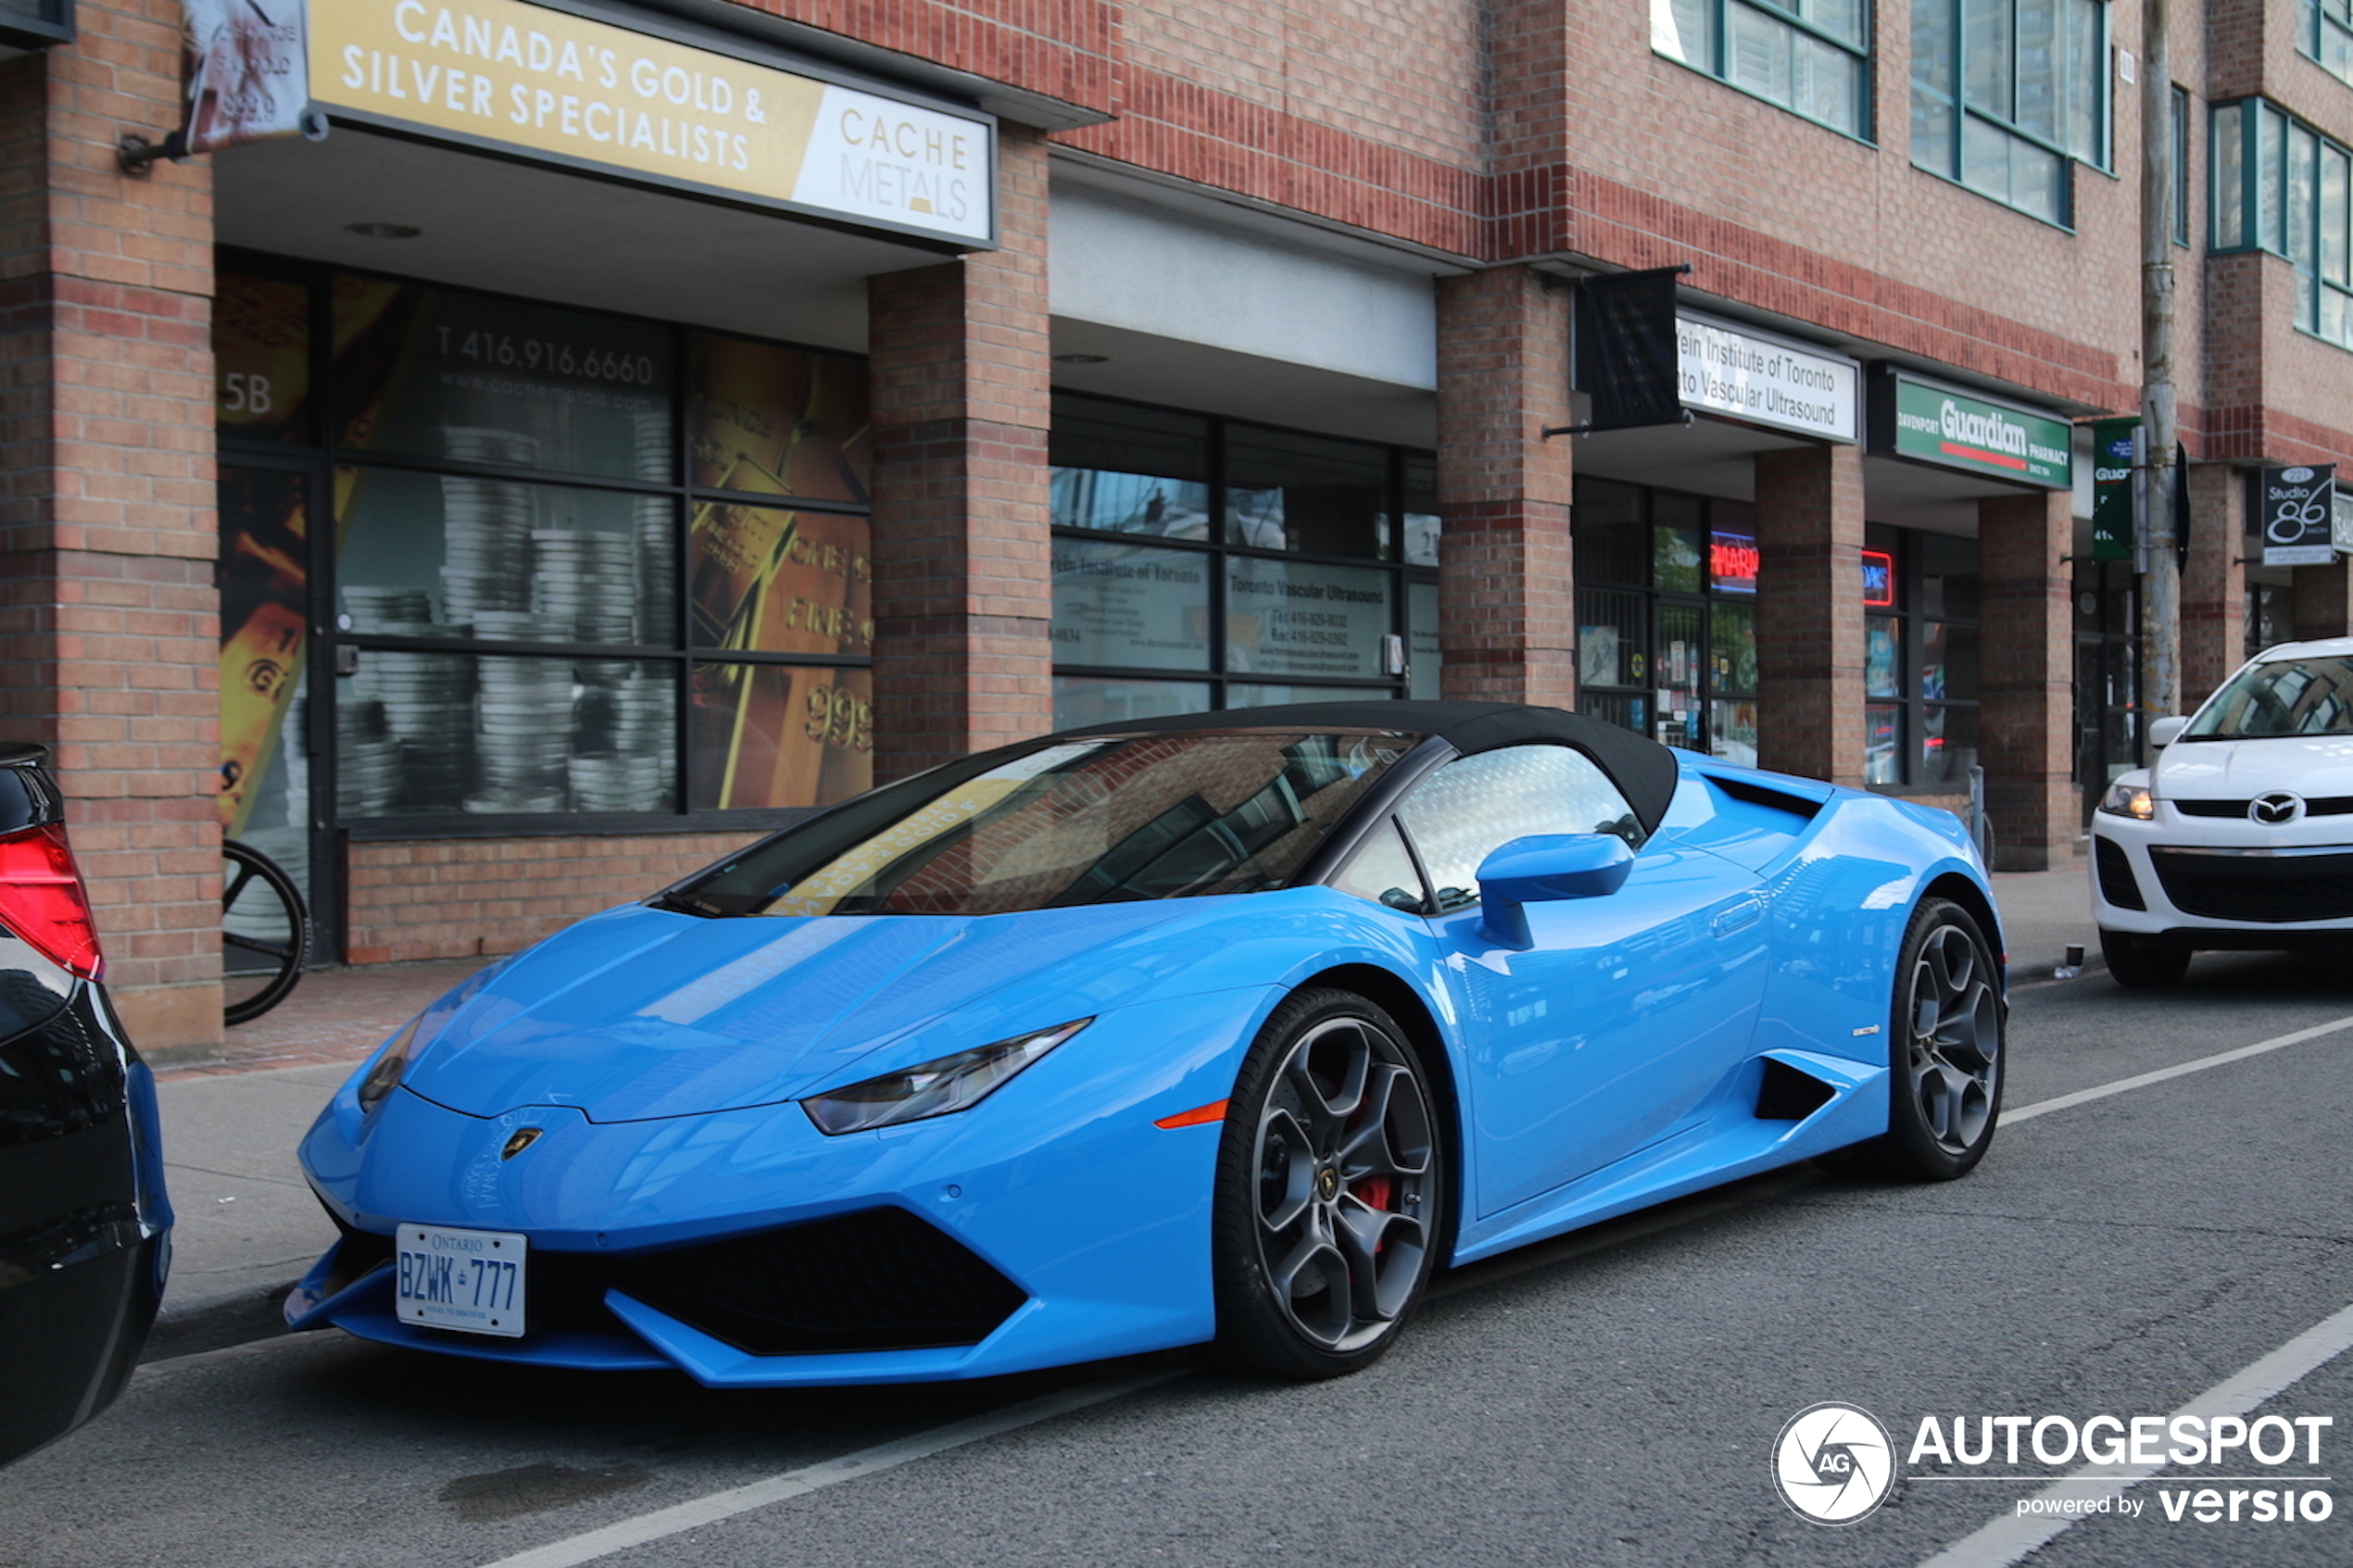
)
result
[(564, 88), (1928, 423), (1725, 370)]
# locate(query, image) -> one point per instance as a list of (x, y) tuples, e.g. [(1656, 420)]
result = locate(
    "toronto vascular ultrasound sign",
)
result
[(565, 88)]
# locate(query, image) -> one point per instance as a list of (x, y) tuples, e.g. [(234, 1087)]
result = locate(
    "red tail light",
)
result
[(41, 899)]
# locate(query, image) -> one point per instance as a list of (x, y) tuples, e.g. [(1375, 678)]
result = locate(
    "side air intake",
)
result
[(1788, 1095)]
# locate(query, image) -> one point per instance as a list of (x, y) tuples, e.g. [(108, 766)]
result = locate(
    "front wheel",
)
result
[(1946, 1057), (2139, 966), (1330, 1188)]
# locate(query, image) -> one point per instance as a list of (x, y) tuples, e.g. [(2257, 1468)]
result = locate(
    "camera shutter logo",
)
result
[(1834, 1463)]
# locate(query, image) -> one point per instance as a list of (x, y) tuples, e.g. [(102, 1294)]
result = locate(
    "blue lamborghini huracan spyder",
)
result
[(1227, 1028)]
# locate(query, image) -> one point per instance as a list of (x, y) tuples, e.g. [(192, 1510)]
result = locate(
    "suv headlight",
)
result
[(935, 1089), (2129, 801)]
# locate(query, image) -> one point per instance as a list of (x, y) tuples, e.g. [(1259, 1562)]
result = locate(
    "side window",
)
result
[(1474, 806), (1382, 871)]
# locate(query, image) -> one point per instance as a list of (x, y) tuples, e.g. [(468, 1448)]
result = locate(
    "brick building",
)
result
[(638, 422)]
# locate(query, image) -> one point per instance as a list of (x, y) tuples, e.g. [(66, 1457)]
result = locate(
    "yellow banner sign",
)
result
[(546, 81)]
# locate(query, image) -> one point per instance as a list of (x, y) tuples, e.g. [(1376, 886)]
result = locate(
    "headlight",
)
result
[(936, 1088), (390, 1067), (2129, 801)]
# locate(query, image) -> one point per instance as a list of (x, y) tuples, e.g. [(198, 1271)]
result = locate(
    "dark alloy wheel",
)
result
[(1330, 1182), (2139, 966), (1945, 1055)]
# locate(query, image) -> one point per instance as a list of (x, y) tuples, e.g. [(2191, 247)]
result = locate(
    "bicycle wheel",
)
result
[(265, 932)]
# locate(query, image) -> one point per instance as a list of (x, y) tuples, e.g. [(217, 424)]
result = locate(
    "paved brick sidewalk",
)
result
[(335, 1015)]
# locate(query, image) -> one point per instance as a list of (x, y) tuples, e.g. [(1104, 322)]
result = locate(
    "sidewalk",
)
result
[(249, 1227)]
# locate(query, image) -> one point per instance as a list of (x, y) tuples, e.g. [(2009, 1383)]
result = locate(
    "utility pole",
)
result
[(2160, 691)]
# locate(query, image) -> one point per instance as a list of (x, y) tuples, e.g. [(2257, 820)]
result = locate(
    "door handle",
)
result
[(1740, 917)]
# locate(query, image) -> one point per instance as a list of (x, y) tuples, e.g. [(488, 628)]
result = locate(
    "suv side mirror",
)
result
[(1545, 867), (2164, 732)]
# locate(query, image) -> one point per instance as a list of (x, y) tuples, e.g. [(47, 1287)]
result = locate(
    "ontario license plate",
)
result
[(470, 1281)]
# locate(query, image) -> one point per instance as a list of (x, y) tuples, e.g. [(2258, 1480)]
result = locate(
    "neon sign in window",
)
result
[(1879, 579), (1731, 562)]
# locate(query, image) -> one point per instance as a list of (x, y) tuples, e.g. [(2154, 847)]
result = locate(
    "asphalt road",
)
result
[(1614, 1398)]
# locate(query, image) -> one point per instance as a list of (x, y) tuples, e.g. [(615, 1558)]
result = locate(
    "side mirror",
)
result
[(2164, 732), (1544, 869)]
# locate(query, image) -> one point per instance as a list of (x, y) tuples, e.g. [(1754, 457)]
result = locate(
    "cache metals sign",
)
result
[(520, 78)]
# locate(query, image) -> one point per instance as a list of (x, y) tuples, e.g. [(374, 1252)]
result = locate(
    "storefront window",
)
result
[(768, 581), (437, 374), (1118, 469), (1246, 601), (767, 732), (500, 560), (773, 420), (261, 359), (1666, 616), (1919, 658), (1305, 493), (265, 772), (1083, 699), (1120, 603), (508, 473)]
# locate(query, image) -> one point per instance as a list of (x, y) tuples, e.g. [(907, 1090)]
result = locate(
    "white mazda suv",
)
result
[(2241, 834)]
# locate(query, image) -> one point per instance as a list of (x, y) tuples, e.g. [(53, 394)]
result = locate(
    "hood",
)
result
[(640, 1014), (2313, 765)]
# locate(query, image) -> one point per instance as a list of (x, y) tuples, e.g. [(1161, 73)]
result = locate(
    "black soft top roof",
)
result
[(1644, 770)]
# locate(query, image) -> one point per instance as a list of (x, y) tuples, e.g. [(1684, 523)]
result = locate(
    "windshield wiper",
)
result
[(684, 904)]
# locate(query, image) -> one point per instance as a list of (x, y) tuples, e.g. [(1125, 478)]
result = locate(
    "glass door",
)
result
[(270, 768)]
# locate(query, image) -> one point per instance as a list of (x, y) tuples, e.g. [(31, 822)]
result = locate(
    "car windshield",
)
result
[(2288, 697), (1082, 821)]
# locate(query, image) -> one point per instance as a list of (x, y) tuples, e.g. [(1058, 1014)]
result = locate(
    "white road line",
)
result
[(2220, 1059), (2013, 1538), (595, 1543)]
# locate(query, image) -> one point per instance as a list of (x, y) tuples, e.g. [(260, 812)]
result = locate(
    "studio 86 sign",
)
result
[(2298, 503)]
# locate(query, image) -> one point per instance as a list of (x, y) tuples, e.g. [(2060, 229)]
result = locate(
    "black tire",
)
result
[(1946, 1023), (1331, 1190), (261, 961), (2139, 966)]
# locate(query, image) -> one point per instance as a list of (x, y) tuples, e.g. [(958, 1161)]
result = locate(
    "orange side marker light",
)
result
[(1199, 1116)]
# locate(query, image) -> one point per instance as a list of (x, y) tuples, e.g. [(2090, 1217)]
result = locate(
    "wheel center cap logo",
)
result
[(1834, 1463), (2277, 806), (1328, 1184)]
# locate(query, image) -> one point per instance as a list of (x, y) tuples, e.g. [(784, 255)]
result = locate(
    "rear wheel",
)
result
[(1330, 1183), (1946, 1057), (2140, 967)]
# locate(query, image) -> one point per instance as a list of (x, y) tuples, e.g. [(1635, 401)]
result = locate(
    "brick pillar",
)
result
[(1809, 612), (1506, 615), (963, 592), (2321, 607), (2214, 588), (2026, 678), (110, 643)]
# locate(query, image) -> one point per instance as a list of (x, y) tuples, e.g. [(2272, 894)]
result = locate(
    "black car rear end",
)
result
[(84, 1225)]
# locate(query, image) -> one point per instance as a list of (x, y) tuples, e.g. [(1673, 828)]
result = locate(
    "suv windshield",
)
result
[(1083, 821), (2290, 697)]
